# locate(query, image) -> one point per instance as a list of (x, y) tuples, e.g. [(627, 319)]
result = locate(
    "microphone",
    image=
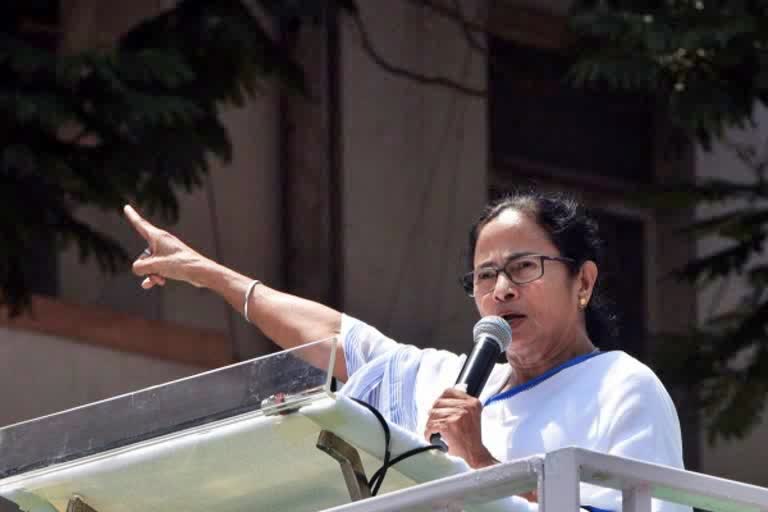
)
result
[(492, 336)]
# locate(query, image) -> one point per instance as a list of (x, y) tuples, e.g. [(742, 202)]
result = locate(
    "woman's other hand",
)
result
[(456, 416), (168, 257)]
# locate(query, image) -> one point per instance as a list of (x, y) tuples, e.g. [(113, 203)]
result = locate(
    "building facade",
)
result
[(363, 200)]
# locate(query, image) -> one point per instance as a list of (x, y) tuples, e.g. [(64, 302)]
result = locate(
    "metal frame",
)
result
[(349, 460), (557, 475), (76, 504)]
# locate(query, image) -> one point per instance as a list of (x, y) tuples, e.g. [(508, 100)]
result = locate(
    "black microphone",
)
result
[(492, 336)]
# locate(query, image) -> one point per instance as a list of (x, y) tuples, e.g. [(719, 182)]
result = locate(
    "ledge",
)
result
[(205, 348), (531, 26)]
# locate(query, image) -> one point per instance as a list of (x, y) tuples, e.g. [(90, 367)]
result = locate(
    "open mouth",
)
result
[(513, 318)]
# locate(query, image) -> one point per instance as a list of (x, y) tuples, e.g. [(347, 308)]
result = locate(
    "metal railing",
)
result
[(556, 477)]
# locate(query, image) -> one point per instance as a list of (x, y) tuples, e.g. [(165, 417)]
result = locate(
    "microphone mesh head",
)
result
[(494, 327)]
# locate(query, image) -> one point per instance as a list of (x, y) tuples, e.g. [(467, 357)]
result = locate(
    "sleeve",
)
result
[(642, 424), (362, 343)]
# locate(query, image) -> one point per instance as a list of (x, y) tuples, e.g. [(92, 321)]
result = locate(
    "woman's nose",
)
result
[(505, 289)]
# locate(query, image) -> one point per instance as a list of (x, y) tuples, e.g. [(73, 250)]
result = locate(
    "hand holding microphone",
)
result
[(455, 416)]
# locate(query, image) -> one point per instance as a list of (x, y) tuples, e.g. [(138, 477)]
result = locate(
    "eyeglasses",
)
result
[(519, 270)]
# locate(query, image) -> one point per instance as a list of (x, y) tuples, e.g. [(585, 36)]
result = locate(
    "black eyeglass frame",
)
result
[(467, 281)]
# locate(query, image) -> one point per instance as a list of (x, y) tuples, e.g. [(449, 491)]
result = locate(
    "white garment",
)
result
[(610, 403)]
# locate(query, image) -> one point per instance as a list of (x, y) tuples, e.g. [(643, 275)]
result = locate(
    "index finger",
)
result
[(138, 222)]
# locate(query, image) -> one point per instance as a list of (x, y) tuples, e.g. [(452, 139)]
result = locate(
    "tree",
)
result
[(726, 357), (706, 62), (133, 123)]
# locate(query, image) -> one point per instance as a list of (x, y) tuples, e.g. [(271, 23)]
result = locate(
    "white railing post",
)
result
[(636, 499), (561, 482)]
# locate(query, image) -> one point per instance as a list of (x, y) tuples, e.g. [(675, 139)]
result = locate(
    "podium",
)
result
[(265, 434)]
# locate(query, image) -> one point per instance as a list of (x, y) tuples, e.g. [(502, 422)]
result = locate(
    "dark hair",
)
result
[(575, 234)]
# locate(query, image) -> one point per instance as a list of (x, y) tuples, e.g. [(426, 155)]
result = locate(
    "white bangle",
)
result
[(248, 297)]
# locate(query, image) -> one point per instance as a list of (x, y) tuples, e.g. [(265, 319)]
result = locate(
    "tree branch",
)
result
[(434, 80)]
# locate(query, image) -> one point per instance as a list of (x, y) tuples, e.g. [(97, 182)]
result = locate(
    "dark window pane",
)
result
[(535, 117)]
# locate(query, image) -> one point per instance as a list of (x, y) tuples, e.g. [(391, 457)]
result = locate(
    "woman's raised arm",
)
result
[(287, 320)]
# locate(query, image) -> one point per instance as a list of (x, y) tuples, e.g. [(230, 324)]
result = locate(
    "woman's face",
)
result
[(543, 314)]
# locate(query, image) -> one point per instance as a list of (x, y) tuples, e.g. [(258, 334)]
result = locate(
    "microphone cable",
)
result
[(374, 484)]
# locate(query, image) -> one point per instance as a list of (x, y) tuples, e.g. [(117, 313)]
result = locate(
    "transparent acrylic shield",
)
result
[(203, 442)]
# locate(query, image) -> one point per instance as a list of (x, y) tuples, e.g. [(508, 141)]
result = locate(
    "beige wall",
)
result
[(744, 459), (415, 161), (41, 374)]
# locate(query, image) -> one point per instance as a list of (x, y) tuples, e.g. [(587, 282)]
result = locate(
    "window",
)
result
[(539, 123)]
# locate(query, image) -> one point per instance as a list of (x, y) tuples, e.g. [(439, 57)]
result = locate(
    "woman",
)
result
[(533, 261)]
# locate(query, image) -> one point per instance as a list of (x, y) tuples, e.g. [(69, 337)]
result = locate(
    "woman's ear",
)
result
[(587, 279)]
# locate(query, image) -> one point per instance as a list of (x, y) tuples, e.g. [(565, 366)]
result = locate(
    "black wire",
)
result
[(387, 441), (379, 474), (374, 484)]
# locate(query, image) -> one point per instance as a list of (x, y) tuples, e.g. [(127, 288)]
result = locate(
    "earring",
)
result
[(583, 302)]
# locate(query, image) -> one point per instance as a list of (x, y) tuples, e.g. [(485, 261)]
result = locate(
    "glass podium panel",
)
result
[(199, 432)]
